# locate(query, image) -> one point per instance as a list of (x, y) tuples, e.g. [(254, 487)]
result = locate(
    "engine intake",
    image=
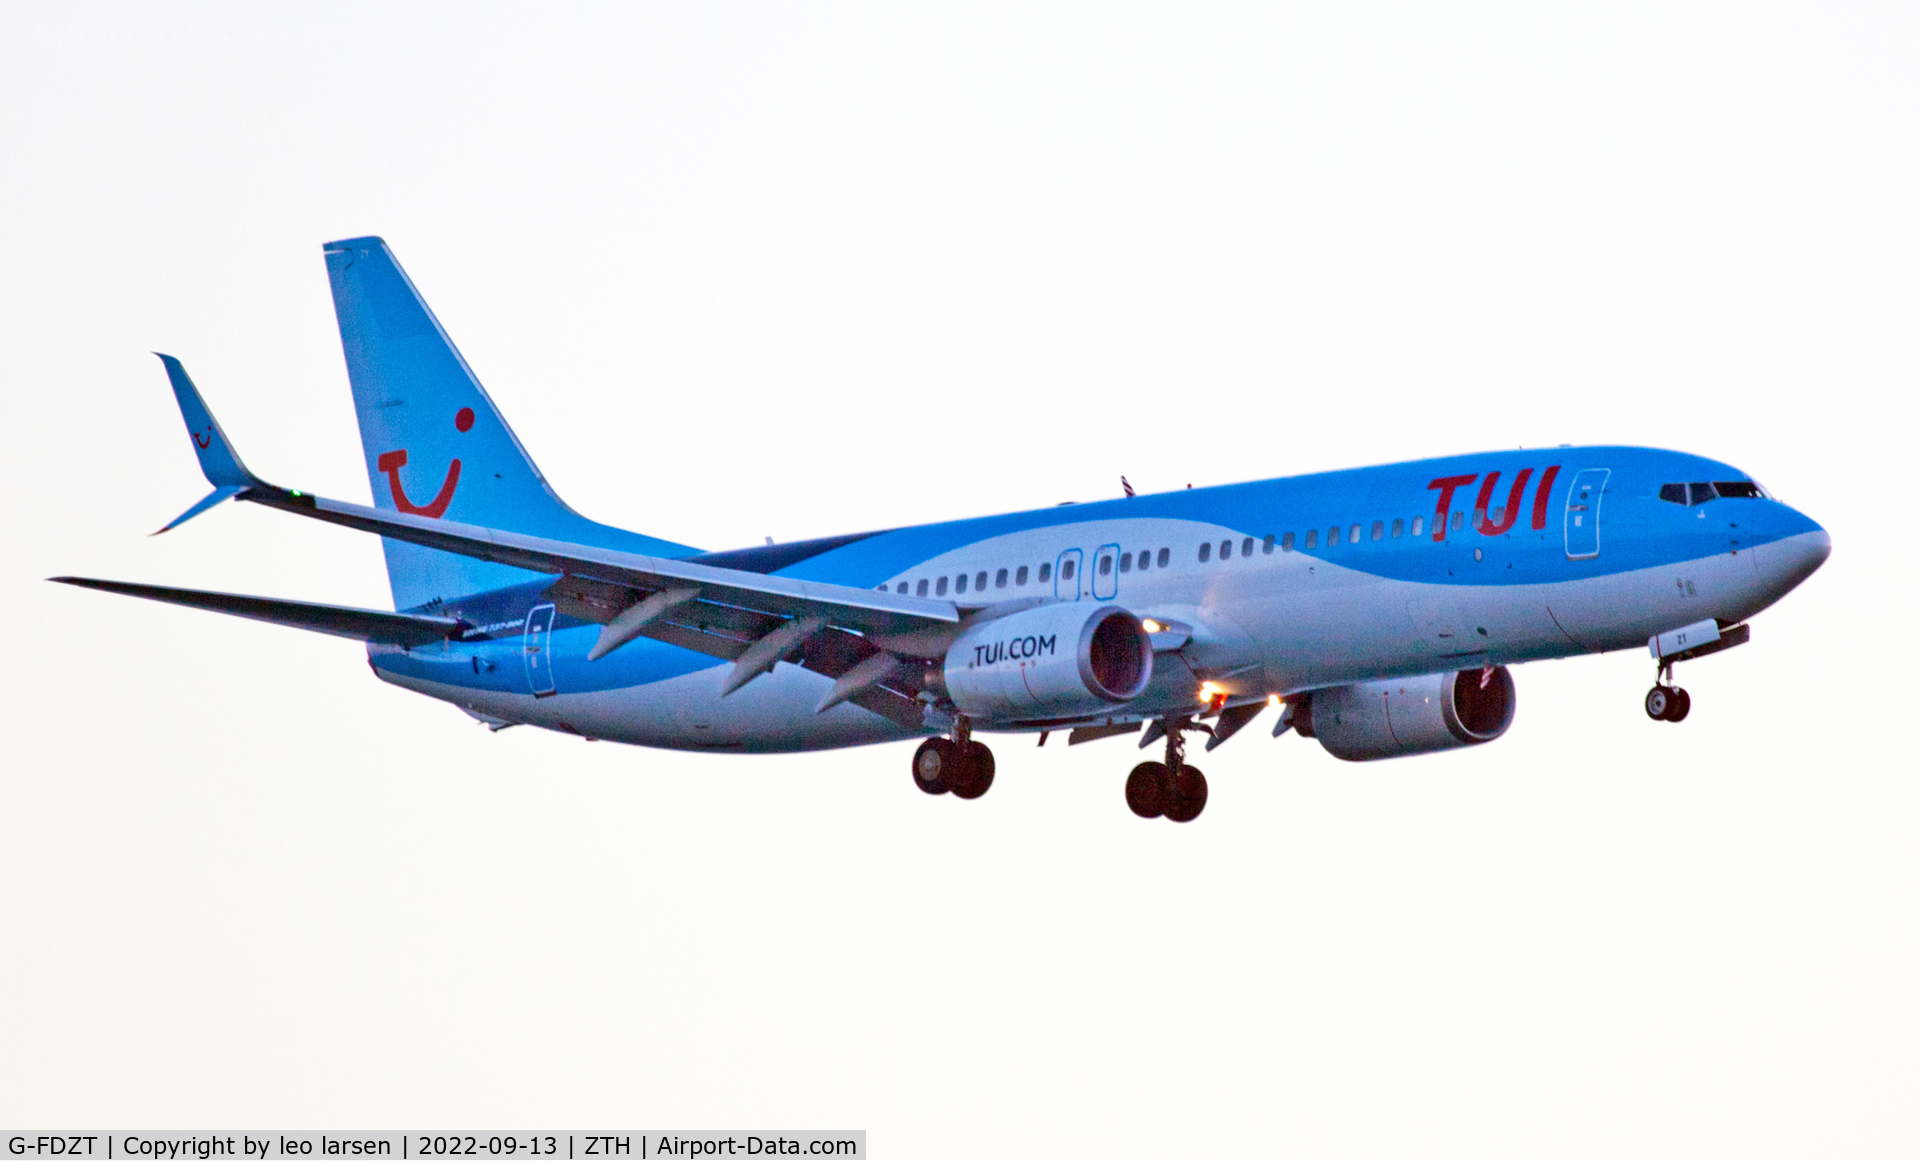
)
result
[(1410, 715), (1058, 660)]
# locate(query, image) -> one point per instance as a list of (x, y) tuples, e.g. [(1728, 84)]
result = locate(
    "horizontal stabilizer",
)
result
[(404, 629)]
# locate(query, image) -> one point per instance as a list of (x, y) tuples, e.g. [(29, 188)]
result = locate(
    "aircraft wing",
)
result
[(859, 637), (868, 612), (864, 610), (855, 636), (408, 629)]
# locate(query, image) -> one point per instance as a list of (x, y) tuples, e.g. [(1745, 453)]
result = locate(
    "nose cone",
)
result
[(1793, 547)]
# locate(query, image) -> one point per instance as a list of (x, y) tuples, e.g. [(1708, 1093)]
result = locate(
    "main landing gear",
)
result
[(1667, 702), (1170, 789), (958, 765)]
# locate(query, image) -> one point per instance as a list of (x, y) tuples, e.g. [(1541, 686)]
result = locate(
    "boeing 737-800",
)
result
[(1375, 610)]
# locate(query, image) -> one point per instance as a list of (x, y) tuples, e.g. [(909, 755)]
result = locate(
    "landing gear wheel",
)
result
[(974, 772), (1149, 789), (934, 765), (1678, 703), (1189, 795), (1659, 703)]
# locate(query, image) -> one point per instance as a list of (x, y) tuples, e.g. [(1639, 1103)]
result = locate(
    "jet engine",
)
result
[(1057, 660), (1409, 715)]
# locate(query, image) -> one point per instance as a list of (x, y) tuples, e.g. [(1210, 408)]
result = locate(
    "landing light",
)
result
[(1152, 626), (1273, 699), (1208, 691)]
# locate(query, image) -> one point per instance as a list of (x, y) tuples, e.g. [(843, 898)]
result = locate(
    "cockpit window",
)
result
[(1701, 493)]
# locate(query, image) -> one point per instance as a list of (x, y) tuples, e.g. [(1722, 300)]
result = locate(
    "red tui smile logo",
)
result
[(391, 463)]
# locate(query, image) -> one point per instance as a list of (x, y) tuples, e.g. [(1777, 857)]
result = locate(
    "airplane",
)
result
[(1377, 610)]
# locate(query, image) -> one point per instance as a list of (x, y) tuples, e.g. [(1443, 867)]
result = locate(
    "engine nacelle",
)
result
[(1053, 661), (1409, 715)]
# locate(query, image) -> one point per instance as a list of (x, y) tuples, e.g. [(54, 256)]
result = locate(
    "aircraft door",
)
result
[(1583, 513), (1106, 572), (1066, 575), (538, 650)]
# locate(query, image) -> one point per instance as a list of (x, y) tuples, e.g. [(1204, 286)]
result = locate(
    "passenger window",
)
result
[(1286, 543), (980, 581), (1379, 529), (1165, 553), (920, 590), (1066, 570), (1246, 546), (1226, 549), (1000, 579), (960, 583), (1266, 546), (1020, 576), (1419, 526), (1674, 493), (1313, 537), (1206, 552), (940, 587), (1499, 516), (1700, 493), (1353, 534), (1126, 562), (1738, 490), (1106, 564), (1046, 573), (1459, 521), (1333, 536)]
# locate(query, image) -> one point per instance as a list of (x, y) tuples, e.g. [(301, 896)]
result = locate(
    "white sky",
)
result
[(735, 271)]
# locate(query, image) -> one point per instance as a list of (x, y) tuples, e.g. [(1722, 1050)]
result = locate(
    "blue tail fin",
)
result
[(435, 444)]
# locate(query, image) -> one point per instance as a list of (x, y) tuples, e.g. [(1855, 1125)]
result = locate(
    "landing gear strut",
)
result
[(958, 764), (1170, 789), (1667, 702)]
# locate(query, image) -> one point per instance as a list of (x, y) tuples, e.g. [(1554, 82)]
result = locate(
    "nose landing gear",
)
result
[(959, 765), (1667, 702), (1170, 789)]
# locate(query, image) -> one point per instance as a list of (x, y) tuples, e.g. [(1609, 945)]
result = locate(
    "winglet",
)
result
[(218, 460), (213, 497)]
